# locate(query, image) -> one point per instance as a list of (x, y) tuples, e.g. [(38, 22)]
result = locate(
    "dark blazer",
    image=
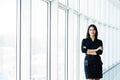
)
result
[(89, 44), (92, 63)]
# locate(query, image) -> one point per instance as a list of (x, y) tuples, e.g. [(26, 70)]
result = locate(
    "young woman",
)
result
[(93, 48)]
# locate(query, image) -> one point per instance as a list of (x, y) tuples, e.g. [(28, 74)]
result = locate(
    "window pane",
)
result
[(61, 44), (83, 31), (76, 3), (104, 39), (62, 1), (39, 40), (110, 14), (97, 9), (70, 47), (111, 45), (90, 21), (76, 48), (81, 6), (84, 6), (91, 8), (7, 39)]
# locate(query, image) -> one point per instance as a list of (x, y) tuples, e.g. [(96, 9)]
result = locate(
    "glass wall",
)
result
[(8, 40), (51, 31), (58, 27), (61, 45), (71, 46), (100, 13), (39, 40), (76, 49), (83, 31), (62, 1)]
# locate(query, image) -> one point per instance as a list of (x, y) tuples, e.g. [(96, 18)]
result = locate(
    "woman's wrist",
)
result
[(96, 50)]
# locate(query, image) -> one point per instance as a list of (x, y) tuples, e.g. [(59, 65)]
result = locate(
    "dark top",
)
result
[(92, 63), (89, 44)]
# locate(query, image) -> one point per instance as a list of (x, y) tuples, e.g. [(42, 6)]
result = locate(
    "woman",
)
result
[(93, 48)]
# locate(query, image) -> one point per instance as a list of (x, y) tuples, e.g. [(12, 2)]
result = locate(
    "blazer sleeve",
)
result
[(99, 52), (83, 46)]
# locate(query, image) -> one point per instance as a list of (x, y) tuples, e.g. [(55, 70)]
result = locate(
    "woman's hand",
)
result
[(99, 48), (93, 51)]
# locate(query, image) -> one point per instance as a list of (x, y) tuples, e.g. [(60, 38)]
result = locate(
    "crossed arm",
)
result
[(94, 51), (97, 51)]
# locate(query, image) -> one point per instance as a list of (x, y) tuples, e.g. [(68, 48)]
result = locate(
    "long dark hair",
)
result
[(94, 26)]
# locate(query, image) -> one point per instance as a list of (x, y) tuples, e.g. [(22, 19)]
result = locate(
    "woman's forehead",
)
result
[(91, 27)]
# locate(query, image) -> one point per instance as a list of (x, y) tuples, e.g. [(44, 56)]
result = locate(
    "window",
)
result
[(83, 31), (105, 43), (118, 55), (39, 40), (107, 12), (114, 16), (103, 12), (8, 40), (103, 39), (98, 28), (110, 14), (76, 5), (114, 45), (61, 45), (71, 46), (62, 1), (97, 9), (84, 7), (76, 47), (90, 21), (110, 46), (91, 8)]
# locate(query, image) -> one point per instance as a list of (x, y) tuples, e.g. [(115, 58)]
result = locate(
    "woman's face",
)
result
[(92, 31)]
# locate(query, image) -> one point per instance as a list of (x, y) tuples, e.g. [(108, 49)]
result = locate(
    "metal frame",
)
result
[(66, 44), (30, 36), (49, 41), (18, 40)]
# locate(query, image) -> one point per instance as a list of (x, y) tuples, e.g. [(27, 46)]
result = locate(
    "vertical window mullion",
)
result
[(66, 44), (49, 42), (18, 42)]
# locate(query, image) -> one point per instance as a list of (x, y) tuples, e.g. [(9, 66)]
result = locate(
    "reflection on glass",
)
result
[(39, 40), (7, 39), (61, 44)]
